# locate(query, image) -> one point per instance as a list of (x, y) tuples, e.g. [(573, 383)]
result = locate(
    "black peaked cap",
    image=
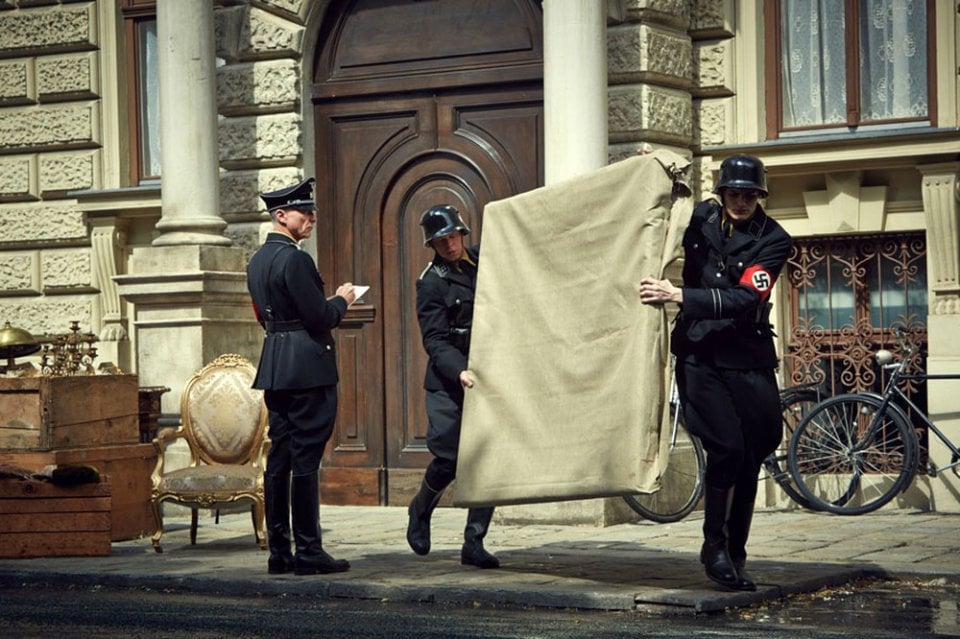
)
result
[(298, 196)]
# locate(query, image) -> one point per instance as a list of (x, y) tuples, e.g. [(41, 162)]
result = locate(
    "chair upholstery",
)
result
[(224, 422)]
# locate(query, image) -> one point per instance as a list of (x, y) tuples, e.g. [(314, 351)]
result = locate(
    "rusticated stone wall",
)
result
[(50, 138), (650, 74), (51, 124), (259, 93), (711, 32)]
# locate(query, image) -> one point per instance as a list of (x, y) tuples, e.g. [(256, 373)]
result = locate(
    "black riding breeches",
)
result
[(736, 414)]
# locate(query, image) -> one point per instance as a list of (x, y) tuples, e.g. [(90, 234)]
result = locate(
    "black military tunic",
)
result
[(298, 368), (445, 294), (726, 358), (288, 295)]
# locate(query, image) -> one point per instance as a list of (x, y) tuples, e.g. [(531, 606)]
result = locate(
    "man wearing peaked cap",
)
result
[(298, 374), (298, 196)]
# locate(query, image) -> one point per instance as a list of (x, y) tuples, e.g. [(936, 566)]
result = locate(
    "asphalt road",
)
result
[(873, 609)]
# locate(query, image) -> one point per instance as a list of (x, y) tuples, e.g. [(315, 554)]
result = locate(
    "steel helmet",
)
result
[(441, 220), (742, 172)]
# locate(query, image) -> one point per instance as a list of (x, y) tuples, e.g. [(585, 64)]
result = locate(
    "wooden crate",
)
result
[(38, 519), (47, 413), (129, 468)]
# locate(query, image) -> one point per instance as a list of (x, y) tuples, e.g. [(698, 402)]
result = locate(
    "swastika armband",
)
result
[(759, 279)]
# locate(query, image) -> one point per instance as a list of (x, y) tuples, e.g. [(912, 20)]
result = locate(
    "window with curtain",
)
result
[(149, 95), (848, 63), (143, 90)]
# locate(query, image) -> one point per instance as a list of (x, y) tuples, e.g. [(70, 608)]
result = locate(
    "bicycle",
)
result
[(681, 485), (854, 453), (796, 402), (682, 481)]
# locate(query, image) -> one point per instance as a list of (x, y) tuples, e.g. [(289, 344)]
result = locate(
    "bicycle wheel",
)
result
[(847, 458), (796, 403), (681, 485)]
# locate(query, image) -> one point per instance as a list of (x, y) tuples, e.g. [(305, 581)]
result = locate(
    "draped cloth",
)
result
[(570, 399)]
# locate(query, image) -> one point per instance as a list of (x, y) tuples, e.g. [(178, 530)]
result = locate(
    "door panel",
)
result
[(396, 133), (391, 46), (348, 235), (358, 136), (395, 159), (437, 178)]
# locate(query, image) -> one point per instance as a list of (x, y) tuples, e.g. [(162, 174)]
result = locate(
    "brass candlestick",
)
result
[(69, 354)]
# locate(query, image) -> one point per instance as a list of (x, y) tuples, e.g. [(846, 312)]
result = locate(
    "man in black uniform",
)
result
[(726, 359), (445, 293), (298, 374)]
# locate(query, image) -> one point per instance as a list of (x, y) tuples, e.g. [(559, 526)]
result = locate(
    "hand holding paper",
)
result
[(351, 292), (359, 291)]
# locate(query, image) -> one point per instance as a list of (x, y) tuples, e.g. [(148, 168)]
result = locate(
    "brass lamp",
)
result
[(16, 342)]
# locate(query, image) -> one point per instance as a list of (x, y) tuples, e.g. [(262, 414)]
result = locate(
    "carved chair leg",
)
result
[(259, 526), (193, 526), (158, 533)]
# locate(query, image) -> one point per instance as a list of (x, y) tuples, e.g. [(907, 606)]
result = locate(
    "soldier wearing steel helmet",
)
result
[(445, 293), (725, 354)]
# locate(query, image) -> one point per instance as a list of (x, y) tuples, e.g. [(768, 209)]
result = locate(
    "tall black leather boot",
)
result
[(714, 554), (277, 497), (420, 510), (738, 530), (311, 558), (473, 553)]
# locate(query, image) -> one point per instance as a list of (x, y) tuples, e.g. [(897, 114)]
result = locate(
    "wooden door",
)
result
[(382, 160)]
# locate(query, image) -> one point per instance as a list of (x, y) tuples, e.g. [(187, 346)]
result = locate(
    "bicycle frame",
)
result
[(932, 469), (674, 403), (893, 390)]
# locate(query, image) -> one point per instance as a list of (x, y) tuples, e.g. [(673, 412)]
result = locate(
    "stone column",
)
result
[(190, 196), (574, 87), (941, 207), (189, 288)]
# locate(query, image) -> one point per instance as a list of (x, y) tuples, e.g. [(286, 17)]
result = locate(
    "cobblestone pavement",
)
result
[(633, 566)]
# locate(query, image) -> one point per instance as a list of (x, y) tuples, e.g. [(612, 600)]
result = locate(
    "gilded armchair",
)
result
[(224, 422)]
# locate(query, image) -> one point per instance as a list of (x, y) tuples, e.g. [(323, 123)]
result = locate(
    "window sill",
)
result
[(872, 145)]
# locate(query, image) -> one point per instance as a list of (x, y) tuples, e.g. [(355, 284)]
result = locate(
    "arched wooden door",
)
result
[(400, 129)]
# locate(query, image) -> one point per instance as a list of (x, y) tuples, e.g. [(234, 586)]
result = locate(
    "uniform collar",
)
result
[(743, 234), (276, 236), (446, 270)]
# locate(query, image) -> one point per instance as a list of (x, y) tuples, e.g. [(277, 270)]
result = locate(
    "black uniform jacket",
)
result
[(445, 312), (724, 319), (287, 292)]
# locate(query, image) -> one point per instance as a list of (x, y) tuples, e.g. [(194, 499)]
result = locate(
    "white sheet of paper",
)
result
[(360, 290)]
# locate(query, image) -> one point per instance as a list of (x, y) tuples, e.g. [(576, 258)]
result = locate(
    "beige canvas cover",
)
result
[(570, 366)]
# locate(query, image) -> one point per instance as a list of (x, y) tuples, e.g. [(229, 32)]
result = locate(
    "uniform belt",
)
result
[(283, 326)]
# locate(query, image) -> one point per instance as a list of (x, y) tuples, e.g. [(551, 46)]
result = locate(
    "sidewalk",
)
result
[(637, 566)]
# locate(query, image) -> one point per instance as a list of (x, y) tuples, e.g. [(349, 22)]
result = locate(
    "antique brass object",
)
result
[(16, 342), (70, 353)]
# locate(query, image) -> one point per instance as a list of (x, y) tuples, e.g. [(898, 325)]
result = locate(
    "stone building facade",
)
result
[(158, 275)]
